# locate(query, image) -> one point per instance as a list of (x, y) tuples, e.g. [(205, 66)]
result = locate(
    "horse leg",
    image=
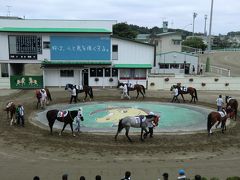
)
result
[(142, 94), (137, 94), (127, 131), (85, 96), (50, 123), (65, 124), (71, 125), (217, 124), (192, 98), (182, 97)]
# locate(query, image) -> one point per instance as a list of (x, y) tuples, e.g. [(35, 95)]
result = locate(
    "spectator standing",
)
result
[(201, 70), (73, 94), (98, 177), (220, 103), (125, 92), (182, 175), (20, 115), (65, 177), (36, 178), (82, 178), (193, 69), (127, 176)]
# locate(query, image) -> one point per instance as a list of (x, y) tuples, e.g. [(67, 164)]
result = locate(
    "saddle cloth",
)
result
[(140, 119), (183, 88), (229, 98), (79, 87), (9, 104), (222, 114), (62, 114)]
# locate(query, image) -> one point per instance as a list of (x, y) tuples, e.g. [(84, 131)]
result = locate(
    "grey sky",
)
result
[(148, 13)]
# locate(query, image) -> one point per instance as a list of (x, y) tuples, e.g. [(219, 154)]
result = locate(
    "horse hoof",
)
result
[(74, 135), (60, 134)]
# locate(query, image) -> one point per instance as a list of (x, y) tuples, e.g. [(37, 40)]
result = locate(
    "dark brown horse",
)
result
[(38, 96), (86, 89), (190, 90), (11, 111), (138, 87), (218, 117), (232, 103), (55, 114)]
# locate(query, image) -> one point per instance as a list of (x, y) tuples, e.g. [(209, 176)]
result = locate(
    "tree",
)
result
[(124, 30), (195, 42)]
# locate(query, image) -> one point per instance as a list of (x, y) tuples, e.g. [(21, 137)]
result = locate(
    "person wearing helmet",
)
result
[(150, 127), (182, 175)]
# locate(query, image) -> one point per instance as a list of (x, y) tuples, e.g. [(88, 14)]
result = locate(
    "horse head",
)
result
[(120, 84), (153, 118), (173, 87), (68, 86)]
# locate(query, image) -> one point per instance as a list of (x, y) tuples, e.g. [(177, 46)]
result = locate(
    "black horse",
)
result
[(52, 115), (232, 103), (87, 89), (138, 87), (190, 90)]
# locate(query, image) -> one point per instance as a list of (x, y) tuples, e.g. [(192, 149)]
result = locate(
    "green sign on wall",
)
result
[(26, 82)]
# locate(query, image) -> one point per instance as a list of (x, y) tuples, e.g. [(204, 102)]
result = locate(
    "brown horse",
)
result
[(38, 96), (218, 117), (138, 87), (232, 103), (53, 115), (86, 89), (190, 90), (11, 110)]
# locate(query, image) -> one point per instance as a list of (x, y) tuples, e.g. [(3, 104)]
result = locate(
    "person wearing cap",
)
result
[(78, 118), (182, 175), (20, 115), (150, 127), (165, 176), (73, 95)]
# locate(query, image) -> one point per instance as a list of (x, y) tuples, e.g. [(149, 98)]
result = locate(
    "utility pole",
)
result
[(194, 16), (210, 29), (8, 10), (205, 26)]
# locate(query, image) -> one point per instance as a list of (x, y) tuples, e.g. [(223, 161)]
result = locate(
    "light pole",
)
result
[(210, 28), (205, 25), (194, 16), (183, 28)]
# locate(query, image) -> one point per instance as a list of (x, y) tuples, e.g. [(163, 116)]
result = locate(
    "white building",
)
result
[(69, 51)]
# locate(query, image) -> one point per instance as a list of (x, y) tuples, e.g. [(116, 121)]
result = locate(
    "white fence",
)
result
[(156, 82), (218, 70)]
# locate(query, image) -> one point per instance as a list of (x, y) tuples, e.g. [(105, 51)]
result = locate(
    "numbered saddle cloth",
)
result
[(183, 88), (80, 87), (9, 104), (222, 113), (140, 119), (62, 114)]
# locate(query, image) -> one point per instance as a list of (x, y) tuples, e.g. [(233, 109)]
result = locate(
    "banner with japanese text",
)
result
[(80, 47)]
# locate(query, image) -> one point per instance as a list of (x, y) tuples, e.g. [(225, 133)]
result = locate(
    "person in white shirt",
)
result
[(220, 103), (78, 118), (125, 92), (43, 99), (73, 94), (20, 115), (175, 95)]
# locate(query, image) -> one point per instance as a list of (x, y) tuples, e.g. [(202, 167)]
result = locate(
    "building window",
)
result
[(114, 72), (99, 72), (174, 66), (46, 45), (140, 74), (163, 66), (4, 70), (66, 73), (176, 42), (114, 52), (93, 72), (107, 72)]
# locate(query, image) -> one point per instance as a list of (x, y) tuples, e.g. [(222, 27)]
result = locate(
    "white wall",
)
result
[(211, 84), (4, 55), (133, 53), (165, 43), (4, 83)]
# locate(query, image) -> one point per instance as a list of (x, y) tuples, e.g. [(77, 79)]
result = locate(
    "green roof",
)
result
[(77, 62), (54, 30), (144, 66)]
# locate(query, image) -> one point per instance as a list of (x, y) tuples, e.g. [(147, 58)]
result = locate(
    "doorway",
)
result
[(85, 77)]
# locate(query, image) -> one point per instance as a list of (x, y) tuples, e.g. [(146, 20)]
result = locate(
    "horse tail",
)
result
[(195, 91), (49, 94), (143, 89), (120, 126), (209, 122), (91, 92)]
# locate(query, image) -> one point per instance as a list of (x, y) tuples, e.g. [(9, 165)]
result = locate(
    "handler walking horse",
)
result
[(11, 110), (67, 117), (40, 100), (136, 122), (138, 87), (86, 89), (232, 103), (218, 117), (189, 90)]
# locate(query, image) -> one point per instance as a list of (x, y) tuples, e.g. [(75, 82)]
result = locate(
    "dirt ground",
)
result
[(29, 151)]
